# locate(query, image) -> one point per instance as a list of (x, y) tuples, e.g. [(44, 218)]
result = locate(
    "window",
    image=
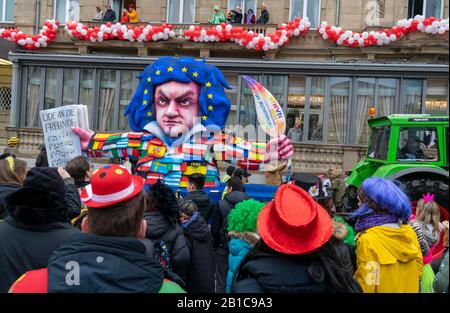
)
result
[(365, 99), (67, 10), (417, 144), (426, 7), (69, 86), (436, 102), (5, 98), (316, 109), (387, 96), (379, 142), (6, 10), (296, 108), (306, 8), (412, 96), (247, 112), (245, 5), (107, 100), (51, 83), (33, 96), (127, 88), (338, 109), (181, 11), (86, 90)]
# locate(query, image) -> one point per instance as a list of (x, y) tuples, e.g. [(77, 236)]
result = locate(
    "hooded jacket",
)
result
[(200, 276), (100, 264), (240, 244), (204, 203), (159, 228), (219, 223), (389, 259), (5, 190), (26, 247), (441, 279)]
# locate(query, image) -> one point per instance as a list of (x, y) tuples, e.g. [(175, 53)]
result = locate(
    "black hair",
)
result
[(198, 180), (161, 198), (230, 170), (236, 184), (187, 207), (41, 159), (325, 265)]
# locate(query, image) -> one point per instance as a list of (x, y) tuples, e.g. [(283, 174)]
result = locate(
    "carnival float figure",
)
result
[(177, 115)]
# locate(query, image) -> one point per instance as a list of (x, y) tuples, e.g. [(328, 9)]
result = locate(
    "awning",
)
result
[(5, 63)]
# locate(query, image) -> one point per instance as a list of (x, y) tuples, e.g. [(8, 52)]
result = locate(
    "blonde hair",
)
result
[(428, 213), (12, 171)]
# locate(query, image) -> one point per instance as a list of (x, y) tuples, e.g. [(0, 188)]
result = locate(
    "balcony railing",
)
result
[(180, 28), (7, 25)]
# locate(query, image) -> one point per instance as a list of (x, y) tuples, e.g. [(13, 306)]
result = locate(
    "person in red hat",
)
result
[(108, 256), (297, 252)]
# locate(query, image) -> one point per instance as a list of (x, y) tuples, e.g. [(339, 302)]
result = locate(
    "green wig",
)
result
[(244, 215)]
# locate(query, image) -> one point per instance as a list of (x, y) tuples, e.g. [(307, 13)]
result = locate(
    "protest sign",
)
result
[(61, 143)]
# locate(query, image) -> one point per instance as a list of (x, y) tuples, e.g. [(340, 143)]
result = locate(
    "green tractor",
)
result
[(410, 149)]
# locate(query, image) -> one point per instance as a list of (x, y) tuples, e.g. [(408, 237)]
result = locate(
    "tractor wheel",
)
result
[(417, 184)]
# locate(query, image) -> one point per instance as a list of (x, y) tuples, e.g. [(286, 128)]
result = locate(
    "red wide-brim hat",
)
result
[(110, 185), (293, 222)]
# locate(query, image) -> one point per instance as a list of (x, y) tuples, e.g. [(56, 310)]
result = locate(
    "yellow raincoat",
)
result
[(388, 260)]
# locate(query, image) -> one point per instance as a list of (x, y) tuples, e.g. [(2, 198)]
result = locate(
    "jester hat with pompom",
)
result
[(214, 105)]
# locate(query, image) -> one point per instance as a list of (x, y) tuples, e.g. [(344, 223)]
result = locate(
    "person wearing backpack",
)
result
[(164, 231), (219, 229), (108, 257), (200, 278)]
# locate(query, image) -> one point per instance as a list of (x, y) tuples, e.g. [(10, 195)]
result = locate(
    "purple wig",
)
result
[(388, 197)]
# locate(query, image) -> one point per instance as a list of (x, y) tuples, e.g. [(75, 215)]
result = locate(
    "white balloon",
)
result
[(265, 47), (420, 26), (296, 32), (228, 28), (380, 42), (102, 28), (308, 24), (351, 41), (192, 27), (219, 28), (322, 31), (441, 30), (365, 35), (44, 44), (145, 31), (84, 32), (434, 30), (267, 39), (356, 36), (21, 42), (428, 29), (155, 37), (172, 34), (37, 44), (124, 29), (126, 36), (79, 28), (271, 45), (325, 36), (166, 31), (92, 39), (114, 32), (301, 28), (323, 24), (29, 40), (435, 24), (392, 37), (160, 35), (361, 41), (203, 32)]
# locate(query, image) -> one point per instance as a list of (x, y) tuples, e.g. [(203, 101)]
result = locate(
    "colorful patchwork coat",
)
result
[(159, 157)]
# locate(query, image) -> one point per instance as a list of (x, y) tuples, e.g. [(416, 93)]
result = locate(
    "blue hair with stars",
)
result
[(214, 105)]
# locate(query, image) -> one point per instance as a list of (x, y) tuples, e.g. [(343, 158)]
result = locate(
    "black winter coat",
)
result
[(263, 272), (204, 203), (5, 189), (24, 247), (200, 277), (106, 264), (263, 18), (159, 228), (110, 16), (219, 225), (72, 198)]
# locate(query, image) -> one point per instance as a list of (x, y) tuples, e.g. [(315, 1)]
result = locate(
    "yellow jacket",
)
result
[(388, 260), (133, 16)]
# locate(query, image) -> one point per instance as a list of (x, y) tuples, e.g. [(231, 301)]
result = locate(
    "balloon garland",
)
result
[(249, 39), (118, 31), (32, 42), (342, 37), (227, 33)]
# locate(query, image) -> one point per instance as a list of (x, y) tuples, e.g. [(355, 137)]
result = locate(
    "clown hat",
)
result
[(293, 223), (111, 184)]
